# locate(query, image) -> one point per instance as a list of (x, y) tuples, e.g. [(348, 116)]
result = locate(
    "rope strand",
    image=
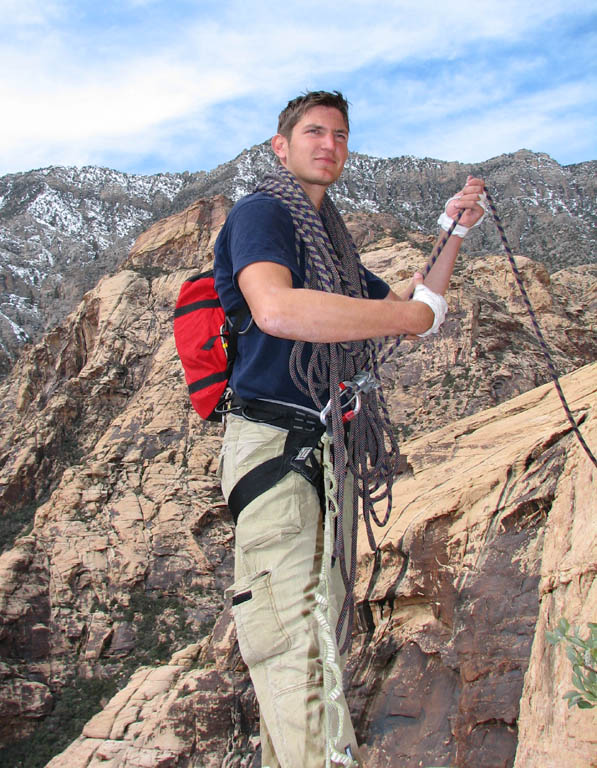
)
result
[(542, 343), (383, 355)]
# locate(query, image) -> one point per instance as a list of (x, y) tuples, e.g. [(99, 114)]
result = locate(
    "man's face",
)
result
[(317, 148)]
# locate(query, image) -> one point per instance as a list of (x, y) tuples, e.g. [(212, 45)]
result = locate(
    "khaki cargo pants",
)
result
[(279, 544)]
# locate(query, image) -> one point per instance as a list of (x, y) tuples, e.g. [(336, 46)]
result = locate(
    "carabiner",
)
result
[(364, 381), (350, 390)]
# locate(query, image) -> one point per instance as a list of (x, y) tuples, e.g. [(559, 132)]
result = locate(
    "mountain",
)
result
[(61, 229), (549, 211), (116, 645)]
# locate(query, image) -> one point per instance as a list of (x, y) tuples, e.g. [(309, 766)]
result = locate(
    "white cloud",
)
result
[(75, 92), (532, 122), (30, 13)]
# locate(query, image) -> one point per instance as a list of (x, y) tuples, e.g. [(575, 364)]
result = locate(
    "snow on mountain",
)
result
[(61, 229)]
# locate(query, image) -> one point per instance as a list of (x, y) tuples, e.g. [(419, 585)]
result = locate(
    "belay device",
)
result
[(206, 342)]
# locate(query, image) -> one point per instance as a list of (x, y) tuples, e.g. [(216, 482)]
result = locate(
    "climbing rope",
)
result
[(544, 348), (346, 406), (343, 407), (384, 354)]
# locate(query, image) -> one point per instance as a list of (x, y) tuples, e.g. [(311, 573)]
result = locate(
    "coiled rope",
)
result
[(367, 447)]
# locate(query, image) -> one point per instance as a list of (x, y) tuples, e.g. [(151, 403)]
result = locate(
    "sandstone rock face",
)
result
[(181, 240), (463, 585), (475, 564), (117, 545)]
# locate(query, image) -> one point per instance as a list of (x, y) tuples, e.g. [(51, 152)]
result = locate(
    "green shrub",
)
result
[(583, 657)]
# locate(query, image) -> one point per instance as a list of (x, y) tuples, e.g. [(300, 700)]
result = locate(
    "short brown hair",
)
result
[(296, 108)]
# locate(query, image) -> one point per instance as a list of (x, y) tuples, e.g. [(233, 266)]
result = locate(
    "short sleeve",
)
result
[(262, 230), (378, 288)]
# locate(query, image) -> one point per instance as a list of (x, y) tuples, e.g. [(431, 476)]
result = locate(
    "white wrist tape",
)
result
[(437, 304), (460, 230), (446, 222)]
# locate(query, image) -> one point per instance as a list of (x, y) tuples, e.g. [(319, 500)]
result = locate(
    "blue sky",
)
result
[(172, 85)]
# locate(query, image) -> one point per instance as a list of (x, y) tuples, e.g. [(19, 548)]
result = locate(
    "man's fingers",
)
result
[(469, 200), (473, 187)]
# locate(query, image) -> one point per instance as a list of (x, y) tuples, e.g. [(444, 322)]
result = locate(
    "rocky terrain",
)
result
[(61, 229), (117, 546)]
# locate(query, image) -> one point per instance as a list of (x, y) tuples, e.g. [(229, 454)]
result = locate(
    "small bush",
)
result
[(583, 657)]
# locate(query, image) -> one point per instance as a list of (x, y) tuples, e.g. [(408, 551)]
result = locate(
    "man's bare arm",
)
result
[(315, 316), (466, 200)]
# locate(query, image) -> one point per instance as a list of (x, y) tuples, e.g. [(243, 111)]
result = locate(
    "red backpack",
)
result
[(206, 342)]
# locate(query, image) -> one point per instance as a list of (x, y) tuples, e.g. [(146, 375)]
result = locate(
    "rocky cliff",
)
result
[(449, 665), (61, 229), (117, 546)]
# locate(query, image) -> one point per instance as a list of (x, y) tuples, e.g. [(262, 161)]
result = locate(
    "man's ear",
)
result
[(280, 147)]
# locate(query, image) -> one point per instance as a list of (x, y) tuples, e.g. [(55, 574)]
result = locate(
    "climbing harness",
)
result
[(304, 430)]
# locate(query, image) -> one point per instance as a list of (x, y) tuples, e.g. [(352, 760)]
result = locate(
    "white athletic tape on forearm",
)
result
[(446, 222), (437, 304), (460, 230)]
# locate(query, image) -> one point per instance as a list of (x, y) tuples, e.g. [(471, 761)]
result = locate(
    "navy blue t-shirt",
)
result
[(260, 228)]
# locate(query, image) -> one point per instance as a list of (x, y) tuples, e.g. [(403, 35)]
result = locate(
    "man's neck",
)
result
[(315, 192)]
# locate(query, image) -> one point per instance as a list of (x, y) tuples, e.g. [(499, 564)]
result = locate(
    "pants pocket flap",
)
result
[(261, 634)]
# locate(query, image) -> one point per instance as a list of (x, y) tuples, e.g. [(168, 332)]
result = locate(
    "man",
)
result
[(285, 253)]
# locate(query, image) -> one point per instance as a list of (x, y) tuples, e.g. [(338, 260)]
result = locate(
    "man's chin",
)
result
[(325, 176)]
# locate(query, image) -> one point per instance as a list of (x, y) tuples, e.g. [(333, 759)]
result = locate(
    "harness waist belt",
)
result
[(277, 415)]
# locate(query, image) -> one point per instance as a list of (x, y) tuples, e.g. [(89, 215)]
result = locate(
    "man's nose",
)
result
[(328, 140)]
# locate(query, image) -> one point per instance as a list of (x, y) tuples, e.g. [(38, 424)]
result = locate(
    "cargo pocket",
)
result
[(271, 518), (260, 632)]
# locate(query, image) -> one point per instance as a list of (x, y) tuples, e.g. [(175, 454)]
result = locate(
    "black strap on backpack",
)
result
[(206, 340), (304, 433)]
